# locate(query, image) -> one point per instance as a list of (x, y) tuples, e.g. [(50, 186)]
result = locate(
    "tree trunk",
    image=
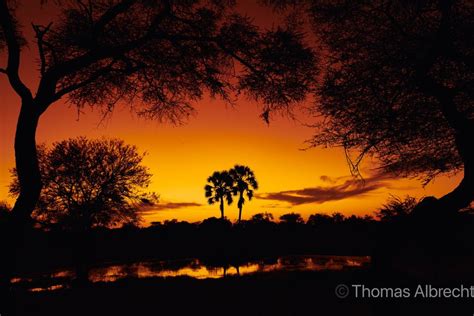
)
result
[(222, 208), (463, 127), (241, 198), (27, 167), (463, 195), (14, 229)]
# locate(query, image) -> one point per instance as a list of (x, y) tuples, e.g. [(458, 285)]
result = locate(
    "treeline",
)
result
[(213, 239), (219, 240)]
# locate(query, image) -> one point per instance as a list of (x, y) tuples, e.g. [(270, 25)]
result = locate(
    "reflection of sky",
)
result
[(196, 269)]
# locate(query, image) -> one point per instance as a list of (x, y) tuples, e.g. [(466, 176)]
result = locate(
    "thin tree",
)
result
[(219, 189), (244, 183), (398, 85), (159, 56)]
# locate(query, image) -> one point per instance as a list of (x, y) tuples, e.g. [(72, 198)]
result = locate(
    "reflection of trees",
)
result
[(173, 265), (292, 261), (113, 273)]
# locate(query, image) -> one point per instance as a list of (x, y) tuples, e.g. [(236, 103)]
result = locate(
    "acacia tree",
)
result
[(159, 56), (90, 183), (244, 182), (219, 189), (398, 85)]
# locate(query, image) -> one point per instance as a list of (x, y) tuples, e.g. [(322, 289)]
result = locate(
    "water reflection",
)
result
[(193, 268)]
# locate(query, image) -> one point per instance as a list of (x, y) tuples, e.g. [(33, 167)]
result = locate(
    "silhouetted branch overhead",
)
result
[(398, 85), (40, 31), (168, 53)]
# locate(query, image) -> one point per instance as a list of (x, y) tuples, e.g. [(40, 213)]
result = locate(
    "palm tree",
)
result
[(244, 182), (218, 189)]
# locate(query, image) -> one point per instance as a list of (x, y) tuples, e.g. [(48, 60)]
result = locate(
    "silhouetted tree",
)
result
[(90, 183), (159, 56), (317, 220), (218, 189), (399, 86), (244, 181), (291, 219), (262, 218), (337, 218), (396, 208)]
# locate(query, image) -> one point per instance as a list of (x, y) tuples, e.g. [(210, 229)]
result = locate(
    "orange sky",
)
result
[(219, 136)]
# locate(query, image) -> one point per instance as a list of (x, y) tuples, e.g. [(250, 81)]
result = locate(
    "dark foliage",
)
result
[(396, 208), (291, 219), (398, 85), (90, 183), (385, 58)]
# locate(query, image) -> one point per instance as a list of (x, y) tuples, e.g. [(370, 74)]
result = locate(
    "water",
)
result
[(193, 268)]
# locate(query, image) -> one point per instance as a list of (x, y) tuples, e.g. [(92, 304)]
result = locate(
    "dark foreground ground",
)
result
[(437, 252), (286, 293)]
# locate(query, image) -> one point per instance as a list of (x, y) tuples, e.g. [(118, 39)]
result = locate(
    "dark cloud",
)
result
[(339, 189), (167, 206)]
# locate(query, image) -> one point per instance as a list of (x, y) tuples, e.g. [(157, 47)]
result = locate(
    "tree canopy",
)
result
[(90, 183), (397, 84), (159, 56)]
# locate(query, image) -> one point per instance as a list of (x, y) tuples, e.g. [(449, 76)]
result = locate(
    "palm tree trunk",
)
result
[(241, 204), (222, 208)]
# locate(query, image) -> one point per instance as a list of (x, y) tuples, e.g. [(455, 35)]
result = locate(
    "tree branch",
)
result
[(93, 77), (111, 14), (97, 54), (231, 53), (7, 23), (40, 31)]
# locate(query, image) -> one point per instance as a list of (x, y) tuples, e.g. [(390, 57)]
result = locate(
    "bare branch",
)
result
[(40, 31)]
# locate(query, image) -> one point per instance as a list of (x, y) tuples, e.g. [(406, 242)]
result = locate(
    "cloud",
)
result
[(338, 189), (275, 205), (165, 206)]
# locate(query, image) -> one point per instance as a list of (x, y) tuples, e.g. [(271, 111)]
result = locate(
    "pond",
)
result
[(194, 268)]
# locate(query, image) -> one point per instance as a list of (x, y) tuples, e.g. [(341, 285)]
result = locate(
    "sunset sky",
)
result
[(219, 136)]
